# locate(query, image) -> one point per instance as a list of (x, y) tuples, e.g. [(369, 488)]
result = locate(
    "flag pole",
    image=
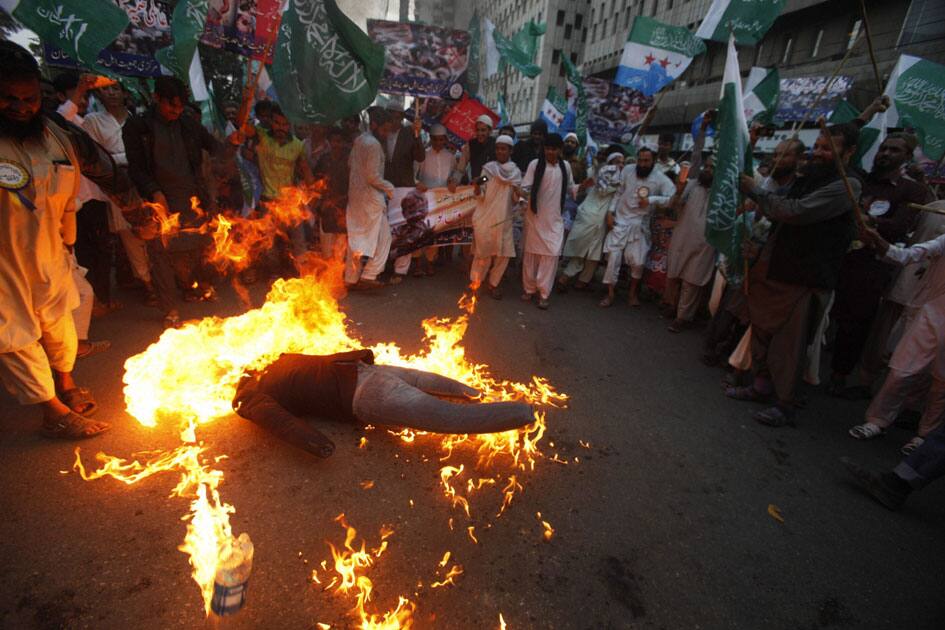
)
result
[(858, 213), (249, 92), (869, 42)]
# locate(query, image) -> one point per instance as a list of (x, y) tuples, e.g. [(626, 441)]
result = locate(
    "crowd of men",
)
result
[(832, 253)]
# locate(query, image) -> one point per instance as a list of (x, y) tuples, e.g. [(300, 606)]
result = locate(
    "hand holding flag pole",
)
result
[(858, 213)]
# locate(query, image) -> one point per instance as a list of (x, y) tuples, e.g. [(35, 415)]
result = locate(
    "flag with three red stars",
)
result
[(655, 54)]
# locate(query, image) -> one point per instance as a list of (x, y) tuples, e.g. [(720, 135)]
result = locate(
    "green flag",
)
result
[(916, 88), (526, 39), (475, 46), (514, 56), (181, 57), (577, 98), (325, 67), (844, 112), (724, 227), (762, 89), (82, 28), (748, 19)]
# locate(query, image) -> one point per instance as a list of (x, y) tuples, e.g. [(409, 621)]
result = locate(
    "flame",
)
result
[(501, 622), (455, 571), (549, 530)]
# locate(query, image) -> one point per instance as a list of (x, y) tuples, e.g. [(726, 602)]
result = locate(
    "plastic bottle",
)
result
[(232, 577)]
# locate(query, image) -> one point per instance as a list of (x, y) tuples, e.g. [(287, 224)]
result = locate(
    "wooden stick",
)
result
[(249, 92), (858, 213), (869, 42), (917, 206), (646, 121)]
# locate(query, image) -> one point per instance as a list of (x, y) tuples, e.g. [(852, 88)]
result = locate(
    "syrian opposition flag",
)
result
[(762, 89), (655, 54), (916, 90), (748, 19), (552, 111), (724, 227)]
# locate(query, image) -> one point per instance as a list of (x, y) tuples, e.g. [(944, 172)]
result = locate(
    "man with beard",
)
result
[(402, 147), (664, 163), (479, 150), (691, 259), (641, 189), (886, 196), (492, 226), (813, 225), (530, 148), (366, 216), (41, 159)]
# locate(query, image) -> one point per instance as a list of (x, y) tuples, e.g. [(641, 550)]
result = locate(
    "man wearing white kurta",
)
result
[(546, 182), (641, 189), (433, 172), (492, 221), (921, 349), (41, 164), (586, 239), (368, 192)]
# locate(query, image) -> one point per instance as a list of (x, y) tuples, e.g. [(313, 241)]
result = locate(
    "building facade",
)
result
[(810, 38)]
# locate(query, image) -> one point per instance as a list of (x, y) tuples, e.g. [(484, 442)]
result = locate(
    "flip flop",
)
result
[(94, 347), (73, 426), (774, 417), (606, 302), (747, 393), (79, 400)]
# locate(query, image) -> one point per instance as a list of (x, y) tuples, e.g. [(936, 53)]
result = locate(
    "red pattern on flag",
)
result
[(461, 119)]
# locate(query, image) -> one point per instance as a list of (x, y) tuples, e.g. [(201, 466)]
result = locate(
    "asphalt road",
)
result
[(662, 523)]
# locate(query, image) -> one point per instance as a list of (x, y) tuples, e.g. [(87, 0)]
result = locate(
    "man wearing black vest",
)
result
[(812, 228)]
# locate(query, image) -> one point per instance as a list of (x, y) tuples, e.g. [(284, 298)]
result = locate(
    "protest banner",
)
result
[(613, 111), (244, 28), (434, 218), (460, 121), (422, 60), (132, 52), (797, 95)]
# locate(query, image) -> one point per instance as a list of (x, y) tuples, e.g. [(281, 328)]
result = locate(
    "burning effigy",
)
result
[(191, 375)]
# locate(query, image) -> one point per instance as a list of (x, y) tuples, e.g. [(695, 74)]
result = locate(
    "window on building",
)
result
[(655, 7), (626, 19), (925, 21), (556, 55), (788, 45), (603, 30), (854, 33), (594, 33), (584, 35), (561, 70), (560, 19), (759, 50), (578, 20), (816, 49), (574, 58), (567, 31), (613, 26)]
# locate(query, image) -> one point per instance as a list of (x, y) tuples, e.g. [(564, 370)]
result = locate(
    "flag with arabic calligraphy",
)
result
[(81, 28), (655, 54), (916, 88), (748, 19), (325, 68)]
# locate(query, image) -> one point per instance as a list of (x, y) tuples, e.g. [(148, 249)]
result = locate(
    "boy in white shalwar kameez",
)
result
[(547, 181), (641, 189), (492, 221)]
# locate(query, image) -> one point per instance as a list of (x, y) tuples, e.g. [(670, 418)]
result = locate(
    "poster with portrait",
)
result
[(132, 53), (436, 217), (244, 27), (422, 60), (613, 111), (799, 94)]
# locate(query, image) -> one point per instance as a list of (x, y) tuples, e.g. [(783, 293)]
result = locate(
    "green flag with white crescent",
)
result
[(325, 68), (916, 89), (182, 57), (762, 89), (724, 227), (82, 28), (748, 19)]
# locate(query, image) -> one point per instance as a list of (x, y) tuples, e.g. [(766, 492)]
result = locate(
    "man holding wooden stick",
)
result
[(813, 225)]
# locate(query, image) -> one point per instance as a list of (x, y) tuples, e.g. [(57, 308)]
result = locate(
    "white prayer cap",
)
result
[(613, 156), (505, 140), (485, 119), (572, 136), (438, 130), (394, 105)]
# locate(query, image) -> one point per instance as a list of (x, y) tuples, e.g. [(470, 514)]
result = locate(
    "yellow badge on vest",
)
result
[(13, 175)]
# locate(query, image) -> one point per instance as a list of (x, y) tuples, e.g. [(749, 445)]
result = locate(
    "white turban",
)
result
[(613, 156), (572, 136), (505, 140), (437, 130)]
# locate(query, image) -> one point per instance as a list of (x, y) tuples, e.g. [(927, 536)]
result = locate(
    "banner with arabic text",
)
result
[(434, 218), (132, 53), (422, 60)]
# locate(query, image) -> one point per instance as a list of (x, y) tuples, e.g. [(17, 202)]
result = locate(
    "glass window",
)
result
[(578, 20), (816, 49), (567, 31), (854, 33), (788, 45), (556, 55), (560, 19)]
